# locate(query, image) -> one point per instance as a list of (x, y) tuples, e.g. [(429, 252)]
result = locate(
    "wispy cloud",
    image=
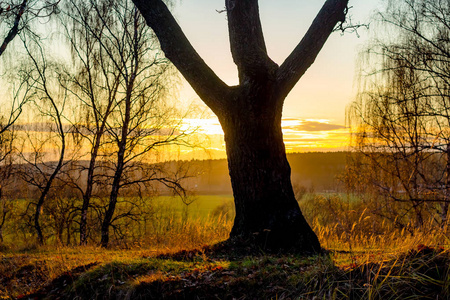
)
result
[(315, 126), (297, 124)]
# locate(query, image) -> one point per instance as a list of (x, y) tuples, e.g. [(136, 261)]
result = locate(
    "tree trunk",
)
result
[(266, 209), (37, 214), (267, 213), (114, 190), (89, 186), (110, 211)]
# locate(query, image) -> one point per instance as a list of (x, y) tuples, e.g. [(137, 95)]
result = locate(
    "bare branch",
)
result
[(304, 55), (211, 89)]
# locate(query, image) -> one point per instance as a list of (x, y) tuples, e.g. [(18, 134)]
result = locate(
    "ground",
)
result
[(223, 273)]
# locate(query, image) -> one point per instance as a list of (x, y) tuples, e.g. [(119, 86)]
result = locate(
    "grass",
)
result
[(417, 274), (367, 259)]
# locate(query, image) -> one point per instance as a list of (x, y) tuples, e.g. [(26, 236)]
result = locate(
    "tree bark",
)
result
[(89, 185), (267, 213)]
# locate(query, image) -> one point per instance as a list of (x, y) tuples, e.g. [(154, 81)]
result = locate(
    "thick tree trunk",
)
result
[(250, 113), (266, 209)]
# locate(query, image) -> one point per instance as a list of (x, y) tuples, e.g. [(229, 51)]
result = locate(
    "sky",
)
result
[(314, 111)]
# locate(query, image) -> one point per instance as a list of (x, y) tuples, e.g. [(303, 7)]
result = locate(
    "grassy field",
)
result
[(202, 206), (365, 259)]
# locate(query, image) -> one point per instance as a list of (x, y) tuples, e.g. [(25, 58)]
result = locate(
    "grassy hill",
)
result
[(421, 273)]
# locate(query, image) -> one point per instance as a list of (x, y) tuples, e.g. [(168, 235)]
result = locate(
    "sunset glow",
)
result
[(300, 135)]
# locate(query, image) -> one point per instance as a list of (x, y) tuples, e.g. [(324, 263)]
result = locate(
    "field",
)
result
[(180, 263)]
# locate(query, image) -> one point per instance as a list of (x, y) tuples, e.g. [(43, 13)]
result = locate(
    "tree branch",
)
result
[(15, 29), (211, 89), (304, 55), (247, 40)]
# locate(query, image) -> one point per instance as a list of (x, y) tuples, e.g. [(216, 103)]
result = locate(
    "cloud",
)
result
[(314, 126)]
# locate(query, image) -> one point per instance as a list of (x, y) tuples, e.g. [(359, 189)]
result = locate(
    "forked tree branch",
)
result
[(247, 40), (211, 89), (15, 29), (304, 55)]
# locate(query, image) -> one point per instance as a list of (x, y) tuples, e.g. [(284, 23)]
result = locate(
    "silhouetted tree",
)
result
[(401, 118), (16, 16), (132, 120), (94, 86), (267, 213), (41, 170)]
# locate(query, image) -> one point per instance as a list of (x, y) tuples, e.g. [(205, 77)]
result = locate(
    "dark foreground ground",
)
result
[(422, 273)]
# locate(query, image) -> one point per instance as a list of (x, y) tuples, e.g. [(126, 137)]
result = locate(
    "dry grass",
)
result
[(23, 270), (368, 259)]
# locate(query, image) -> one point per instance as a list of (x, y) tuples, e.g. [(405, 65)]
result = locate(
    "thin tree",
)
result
[(138, 122), (267, 213), (42, 171), (21, 93), (94, 85)]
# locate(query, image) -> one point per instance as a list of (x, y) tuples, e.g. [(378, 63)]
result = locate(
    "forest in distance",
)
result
[(315, 171), (98, 202)]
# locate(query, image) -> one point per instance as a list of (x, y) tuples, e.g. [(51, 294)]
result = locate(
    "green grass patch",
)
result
[(202, 206)]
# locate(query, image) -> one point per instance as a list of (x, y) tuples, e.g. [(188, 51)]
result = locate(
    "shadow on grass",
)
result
[(422, 273)]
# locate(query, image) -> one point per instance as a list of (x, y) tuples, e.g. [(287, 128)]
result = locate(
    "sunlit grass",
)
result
[(366, 258)]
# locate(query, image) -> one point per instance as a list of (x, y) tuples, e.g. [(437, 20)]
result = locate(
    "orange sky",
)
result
[(300, 135), (314, 112)]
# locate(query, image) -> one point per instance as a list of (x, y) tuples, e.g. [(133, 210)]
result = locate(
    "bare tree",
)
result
[(17, 16), (42, 170), (401, 118), (94, 85), (267, 213), (141, 122), (12, 107)]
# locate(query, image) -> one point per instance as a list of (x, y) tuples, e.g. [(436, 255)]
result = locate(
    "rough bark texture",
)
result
[(266, 209), (267, 213)]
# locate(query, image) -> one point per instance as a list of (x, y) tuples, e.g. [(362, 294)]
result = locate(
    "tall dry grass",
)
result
[(351, 231), (353, 235)]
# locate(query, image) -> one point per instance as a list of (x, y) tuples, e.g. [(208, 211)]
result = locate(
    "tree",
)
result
[(121, 80), (267, 213), (16, 16), (401, 118), (21, 92), (94, 85), (42, 171)]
